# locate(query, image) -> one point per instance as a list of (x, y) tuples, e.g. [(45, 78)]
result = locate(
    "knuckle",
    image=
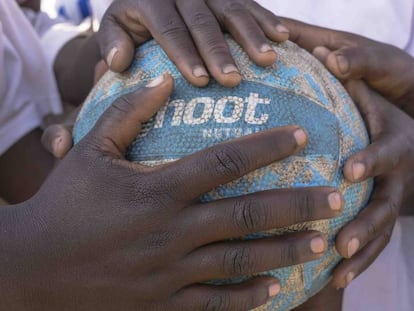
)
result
[(393, 209), (151, 193), (173, 29), (201, 21), (229, 161), (123, 105), (249, 215), (233, 8), (302, 205), (386, 236), (212, 39), (216, 46), (289, 255), (389, 155), (219, 302), (395, 157), (156, 243), (372, 229), (237, 261)]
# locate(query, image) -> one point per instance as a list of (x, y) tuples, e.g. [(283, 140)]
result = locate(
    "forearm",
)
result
[(24, 167)]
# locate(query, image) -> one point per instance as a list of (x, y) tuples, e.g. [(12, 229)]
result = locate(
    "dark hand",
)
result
[(192, 40), (389, 71), (107, 234), (385, 68), (190, 32), (390, 159)]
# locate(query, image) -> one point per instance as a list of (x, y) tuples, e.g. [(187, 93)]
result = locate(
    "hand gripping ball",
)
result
[(296, 90)]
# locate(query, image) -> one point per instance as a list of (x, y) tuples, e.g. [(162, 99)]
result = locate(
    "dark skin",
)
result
[(31, 4), (190, 32), (101, 233), (58, 258), (25, 166), (390, 129), (20, 175), (352, 57), (328, 299), (131, 23), (123, 28), (390, 156)]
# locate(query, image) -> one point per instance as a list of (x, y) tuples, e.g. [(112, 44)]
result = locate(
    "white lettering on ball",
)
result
[(252, 101), (208, 107), (237, 109)]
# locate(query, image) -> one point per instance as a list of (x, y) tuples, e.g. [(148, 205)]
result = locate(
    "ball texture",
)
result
[(296, 90)]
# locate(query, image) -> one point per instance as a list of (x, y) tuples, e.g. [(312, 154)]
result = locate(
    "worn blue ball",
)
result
[(296, 90)]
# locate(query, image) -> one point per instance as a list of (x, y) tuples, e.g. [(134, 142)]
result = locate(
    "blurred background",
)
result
[(48, 6)]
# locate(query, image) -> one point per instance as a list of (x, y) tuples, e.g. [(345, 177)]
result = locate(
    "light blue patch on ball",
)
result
[(297, 90)]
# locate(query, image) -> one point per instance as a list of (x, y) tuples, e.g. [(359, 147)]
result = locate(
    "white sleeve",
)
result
[(54, 33), (28, 89), (382, 20), (410, 45), (99, 8)]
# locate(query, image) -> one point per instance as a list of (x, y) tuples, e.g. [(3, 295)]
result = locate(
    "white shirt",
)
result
[(28, 89), (389, 21)]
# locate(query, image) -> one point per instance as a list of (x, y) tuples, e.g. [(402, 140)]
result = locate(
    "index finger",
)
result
[(228, 161)]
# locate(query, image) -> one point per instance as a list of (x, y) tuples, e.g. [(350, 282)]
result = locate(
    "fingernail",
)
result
[(358, 170), (200, 72), (317, 245), (300, 137), (156, 82), (353, 247), (57, 142), (274, 289), (335, 201), (282, 29), (343, 64), (227, 69), (349, 278), (265, 48), (111, 56)]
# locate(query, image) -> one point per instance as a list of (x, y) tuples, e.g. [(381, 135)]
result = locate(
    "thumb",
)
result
[(122, 121), (384, 68), (354, 63), (116, 44), (348, 63)]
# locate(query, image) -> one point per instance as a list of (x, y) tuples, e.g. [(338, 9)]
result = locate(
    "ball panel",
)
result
[(295, 90)]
